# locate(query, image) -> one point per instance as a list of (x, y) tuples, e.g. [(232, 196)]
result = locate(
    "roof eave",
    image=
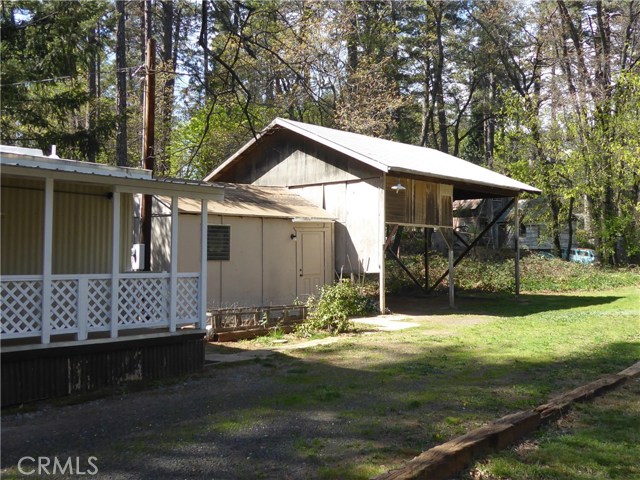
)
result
[(469, 183)]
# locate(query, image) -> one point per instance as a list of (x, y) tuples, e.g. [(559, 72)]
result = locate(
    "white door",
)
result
[(310, 262)]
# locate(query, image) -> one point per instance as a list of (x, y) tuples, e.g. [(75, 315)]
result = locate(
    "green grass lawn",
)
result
[(596, 440), (461, 369), (373, 400)]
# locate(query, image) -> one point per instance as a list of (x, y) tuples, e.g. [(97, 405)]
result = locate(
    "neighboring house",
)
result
[(471, 216), (265, 245), (367, 184), (74, 315)]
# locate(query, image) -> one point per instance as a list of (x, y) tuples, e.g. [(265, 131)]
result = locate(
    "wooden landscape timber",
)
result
[(450, 458)]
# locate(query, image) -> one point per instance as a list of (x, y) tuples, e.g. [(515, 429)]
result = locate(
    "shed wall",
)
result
[(420, 203), (262, 269), (289, 159), (346, 188)]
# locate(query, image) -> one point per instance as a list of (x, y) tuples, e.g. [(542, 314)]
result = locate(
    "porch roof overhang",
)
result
[(263, 202), (394, 158), (121, 179)]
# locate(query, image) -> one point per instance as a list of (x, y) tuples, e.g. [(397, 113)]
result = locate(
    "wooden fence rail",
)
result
[(224, 320)]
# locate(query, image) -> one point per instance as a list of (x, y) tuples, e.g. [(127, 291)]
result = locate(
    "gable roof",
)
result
[(254, 201), (390, 157)]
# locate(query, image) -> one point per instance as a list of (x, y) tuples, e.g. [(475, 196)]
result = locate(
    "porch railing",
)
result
[(80, 304)]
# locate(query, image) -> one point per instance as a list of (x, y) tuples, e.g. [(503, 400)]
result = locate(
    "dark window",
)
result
[(218, 242)]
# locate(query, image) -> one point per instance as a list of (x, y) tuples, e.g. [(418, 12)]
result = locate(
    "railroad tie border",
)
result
[(450, 458)]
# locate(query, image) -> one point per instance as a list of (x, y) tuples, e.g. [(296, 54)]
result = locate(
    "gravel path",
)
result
[(181, 431), (277, 417)]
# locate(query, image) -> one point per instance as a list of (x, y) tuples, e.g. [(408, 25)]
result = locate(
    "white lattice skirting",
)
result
[(82, 303)]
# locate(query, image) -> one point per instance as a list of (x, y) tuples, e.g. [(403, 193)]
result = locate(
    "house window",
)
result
[(218, 242)]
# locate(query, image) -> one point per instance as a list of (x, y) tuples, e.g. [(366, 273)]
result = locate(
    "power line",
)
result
[(55, 79), (136, 67)]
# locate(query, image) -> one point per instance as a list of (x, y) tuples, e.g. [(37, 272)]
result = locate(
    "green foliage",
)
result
[(46, 51), (211, 135), (331, 309), (537, 275)]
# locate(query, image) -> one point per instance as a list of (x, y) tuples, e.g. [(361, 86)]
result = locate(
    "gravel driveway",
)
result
[(203, 428)]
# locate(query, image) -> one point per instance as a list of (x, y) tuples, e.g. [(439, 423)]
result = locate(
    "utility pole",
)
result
[(148, 152)]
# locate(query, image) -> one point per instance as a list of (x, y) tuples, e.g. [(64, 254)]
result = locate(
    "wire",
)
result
[(55, 79)]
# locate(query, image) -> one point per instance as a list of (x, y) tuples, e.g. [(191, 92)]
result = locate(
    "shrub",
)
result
[(537, 274), (331, 309)]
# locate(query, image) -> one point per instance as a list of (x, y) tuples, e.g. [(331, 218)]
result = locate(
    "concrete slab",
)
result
[(387, 323)]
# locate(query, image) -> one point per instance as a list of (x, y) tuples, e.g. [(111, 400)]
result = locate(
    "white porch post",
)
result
[(47, 257), (517, 244), (115, 263), (173, 275), (381, 242), (202, 284)]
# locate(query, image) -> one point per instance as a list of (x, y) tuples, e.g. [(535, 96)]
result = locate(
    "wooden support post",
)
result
[(448, 239), (382, 242), (115, 263), (517, 245), (389, 239), (427, 242), (452, 303), (473, 244), (83, 309), (47, 260), (173, 275), (202, 284), (459, 237), (148, 151), (404, 267)]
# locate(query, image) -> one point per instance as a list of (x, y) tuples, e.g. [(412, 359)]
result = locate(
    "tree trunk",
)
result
[(203, 41), (570, 225), (438, 86), (92, 142), (163, 163), (121, 87)]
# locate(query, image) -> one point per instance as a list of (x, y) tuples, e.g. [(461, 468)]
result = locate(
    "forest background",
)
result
[(547, 92)]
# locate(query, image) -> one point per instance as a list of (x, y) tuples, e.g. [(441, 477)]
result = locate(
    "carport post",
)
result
[(516, 217), (382, 242), (448, 239)]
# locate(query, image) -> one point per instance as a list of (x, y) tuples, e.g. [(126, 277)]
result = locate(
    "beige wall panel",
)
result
[(189, 243), (22, 216), (126, 232), (313, 193), (363, 219), (262, 269), (241, 281), (334, 199), (355, 206), (82, 224), (161, 244), (279, 271)]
